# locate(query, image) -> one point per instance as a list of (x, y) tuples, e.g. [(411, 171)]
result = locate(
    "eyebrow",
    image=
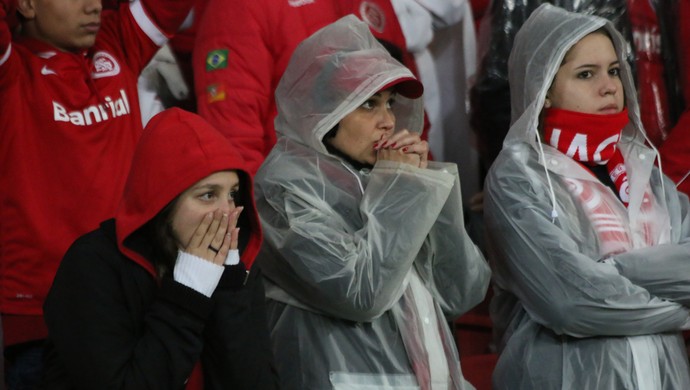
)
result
[(214, 186), (596, 66), (209, 186), (379, 95)]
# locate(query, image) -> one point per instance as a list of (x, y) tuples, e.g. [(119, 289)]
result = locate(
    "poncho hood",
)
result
[(538, 51), (176, 150), (333, 72)]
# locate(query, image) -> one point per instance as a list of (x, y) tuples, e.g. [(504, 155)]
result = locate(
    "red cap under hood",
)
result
[(176, 150)]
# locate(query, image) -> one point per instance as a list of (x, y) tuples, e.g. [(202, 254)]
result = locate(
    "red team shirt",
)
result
[(69, 124)]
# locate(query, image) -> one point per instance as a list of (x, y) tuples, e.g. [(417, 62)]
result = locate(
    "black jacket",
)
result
[(112, 325)]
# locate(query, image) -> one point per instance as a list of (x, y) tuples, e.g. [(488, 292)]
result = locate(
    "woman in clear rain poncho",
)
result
[(588, 238), (365, 252)]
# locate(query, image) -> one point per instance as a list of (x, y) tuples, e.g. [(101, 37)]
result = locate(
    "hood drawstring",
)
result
[(552, 193), (359, 181), (682, 179)]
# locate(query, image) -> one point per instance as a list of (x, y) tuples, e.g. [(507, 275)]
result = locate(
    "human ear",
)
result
[(26, 8), (547, 102)]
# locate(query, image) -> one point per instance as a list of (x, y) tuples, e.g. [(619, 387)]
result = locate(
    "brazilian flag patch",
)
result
[(217, 59)]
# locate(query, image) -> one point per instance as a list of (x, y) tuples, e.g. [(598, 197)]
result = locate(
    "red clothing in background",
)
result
[(68, 126), (242, 49)]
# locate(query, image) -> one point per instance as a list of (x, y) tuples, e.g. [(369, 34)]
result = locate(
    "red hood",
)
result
[(177, 149)]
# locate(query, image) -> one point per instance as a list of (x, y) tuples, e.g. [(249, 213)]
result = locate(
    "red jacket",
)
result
[(649, 63), (68, 126), (242, 48), (675, 151)]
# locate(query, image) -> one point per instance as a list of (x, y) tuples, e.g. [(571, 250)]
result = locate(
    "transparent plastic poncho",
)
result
[(363, 266), (570, 312)]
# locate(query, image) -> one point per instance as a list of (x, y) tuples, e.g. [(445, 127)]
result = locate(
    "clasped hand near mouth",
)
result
[(404, 146)]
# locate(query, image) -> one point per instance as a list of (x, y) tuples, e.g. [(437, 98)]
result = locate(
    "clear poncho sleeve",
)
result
[(560, 287), (664, 270), (352, 264), (454, 269)]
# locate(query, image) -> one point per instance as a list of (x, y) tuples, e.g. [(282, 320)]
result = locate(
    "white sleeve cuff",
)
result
[(146, 24), (197, 273), (233, 257)]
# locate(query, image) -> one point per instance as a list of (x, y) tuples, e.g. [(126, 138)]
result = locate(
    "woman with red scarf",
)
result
[(588, 238)]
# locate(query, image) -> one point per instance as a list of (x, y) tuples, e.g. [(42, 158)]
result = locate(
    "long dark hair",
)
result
[(158, 231)]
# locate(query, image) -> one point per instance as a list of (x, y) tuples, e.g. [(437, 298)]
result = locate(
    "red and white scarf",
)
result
[(590, 139)]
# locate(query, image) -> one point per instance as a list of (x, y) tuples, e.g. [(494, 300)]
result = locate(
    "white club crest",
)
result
[(104, 65), (373, 15)]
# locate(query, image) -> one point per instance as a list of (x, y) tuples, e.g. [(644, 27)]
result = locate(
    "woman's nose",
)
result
[(610, 86), (228, 206), (387, 120)]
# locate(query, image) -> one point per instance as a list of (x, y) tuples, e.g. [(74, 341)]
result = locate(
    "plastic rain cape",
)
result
[(363, 266), (569, 312)]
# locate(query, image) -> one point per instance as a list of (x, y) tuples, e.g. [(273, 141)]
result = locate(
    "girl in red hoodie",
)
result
[(158, 296)]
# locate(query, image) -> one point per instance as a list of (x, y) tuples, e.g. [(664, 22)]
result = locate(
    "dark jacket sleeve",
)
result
[(237, 352), (112, 327)]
